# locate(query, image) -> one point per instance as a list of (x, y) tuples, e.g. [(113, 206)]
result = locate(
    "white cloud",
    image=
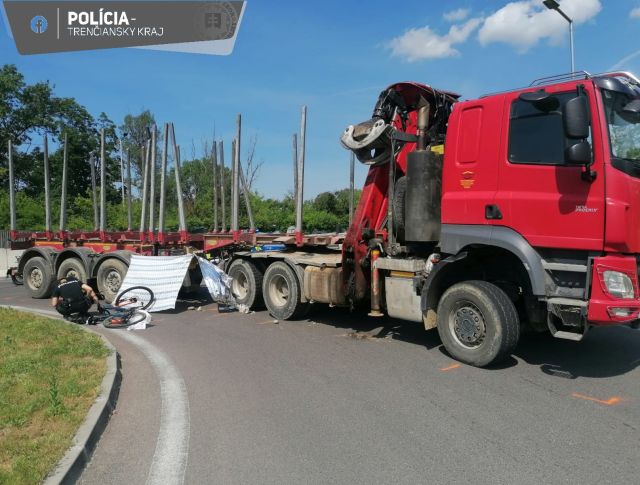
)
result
[(423, 43), (524, 23), (456, 15), (635, 13)]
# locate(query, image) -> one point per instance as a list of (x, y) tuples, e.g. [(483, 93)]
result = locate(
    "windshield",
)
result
[(624, 129)]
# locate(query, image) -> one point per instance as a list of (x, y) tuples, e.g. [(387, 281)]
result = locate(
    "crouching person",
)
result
[(72, 297)]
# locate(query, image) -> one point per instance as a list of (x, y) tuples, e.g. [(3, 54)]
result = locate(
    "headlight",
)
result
[(618, 284)]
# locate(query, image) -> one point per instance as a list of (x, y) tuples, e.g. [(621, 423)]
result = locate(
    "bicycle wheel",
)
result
[(139, 297), (127, 319)]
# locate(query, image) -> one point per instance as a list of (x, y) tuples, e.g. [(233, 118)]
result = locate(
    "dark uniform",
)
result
[(71, 298)]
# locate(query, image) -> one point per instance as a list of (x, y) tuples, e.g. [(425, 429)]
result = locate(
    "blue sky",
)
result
[(335, 57)]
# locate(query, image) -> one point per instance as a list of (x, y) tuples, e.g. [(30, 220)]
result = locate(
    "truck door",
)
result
[(547, 202), (470, 173)]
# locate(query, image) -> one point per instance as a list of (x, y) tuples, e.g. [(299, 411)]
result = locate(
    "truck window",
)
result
[(537, 136), (624, 129)]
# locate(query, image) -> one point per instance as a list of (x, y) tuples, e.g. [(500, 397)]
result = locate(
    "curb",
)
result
[(72, 464)]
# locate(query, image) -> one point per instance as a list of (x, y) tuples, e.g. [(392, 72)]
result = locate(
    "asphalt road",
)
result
[(350, 399)]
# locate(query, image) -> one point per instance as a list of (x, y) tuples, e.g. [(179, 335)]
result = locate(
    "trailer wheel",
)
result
[(38, 277), (110, 276), (478, 323), (282, 291), (247, 283), (72, 267)]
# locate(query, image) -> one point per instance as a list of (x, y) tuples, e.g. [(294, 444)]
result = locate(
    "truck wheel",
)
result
[(478, 323), (247, 283), (38, 277), (72, 267), (110, 276), (281, 290)]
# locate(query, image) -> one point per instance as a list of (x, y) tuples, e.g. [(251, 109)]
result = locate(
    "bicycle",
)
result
[(129, 308)]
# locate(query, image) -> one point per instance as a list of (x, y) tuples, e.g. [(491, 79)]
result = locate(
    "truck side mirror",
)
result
[(578, 153), (576, 118)]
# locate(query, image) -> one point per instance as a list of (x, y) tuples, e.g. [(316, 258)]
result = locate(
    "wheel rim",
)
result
[(35, 278), (240, 285), (467, 324), (113, 281), (72, 273), (279, 290)]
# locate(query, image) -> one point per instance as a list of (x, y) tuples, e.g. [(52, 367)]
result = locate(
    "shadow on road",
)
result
[(604, 352), (190, 301)]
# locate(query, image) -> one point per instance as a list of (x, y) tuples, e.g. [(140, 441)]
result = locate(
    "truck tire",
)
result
[(72, 267), (399, 194), (247, 283), (38, 277), (110, 277), (282, 291), (478, 323)]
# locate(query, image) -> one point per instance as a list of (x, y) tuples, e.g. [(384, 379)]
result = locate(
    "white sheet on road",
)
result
[(164, 276), (161, 274)]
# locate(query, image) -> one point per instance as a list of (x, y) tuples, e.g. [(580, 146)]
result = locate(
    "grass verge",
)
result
[(50, 375)]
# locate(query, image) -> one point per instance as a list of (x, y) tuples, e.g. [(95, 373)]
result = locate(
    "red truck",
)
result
[(480, 218), (483, 217)]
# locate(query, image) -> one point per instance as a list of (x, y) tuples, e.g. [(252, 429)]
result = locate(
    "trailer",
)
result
[(483, 218), (101, 257)]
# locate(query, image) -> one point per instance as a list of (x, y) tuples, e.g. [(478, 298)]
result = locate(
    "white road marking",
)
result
[(172, 448)]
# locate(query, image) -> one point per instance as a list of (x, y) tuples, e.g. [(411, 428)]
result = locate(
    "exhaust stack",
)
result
[(424, 185)]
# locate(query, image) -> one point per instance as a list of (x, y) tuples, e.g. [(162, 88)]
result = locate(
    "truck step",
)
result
[(573, 268), (567, 302), (568, 335), (572, 313)]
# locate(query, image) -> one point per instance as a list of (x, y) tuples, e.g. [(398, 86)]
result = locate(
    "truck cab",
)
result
[(535, 202), (531, 169)]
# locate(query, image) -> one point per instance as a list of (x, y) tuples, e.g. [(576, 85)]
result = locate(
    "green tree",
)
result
[(135, 131), (326, 202), (28, 113)]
